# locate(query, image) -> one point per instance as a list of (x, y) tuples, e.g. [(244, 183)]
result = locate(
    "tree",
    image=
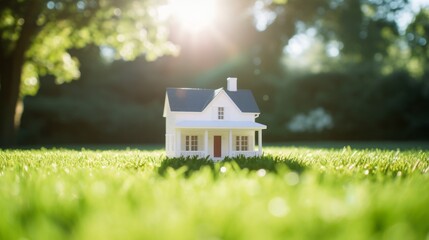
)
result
[(36, 36), (418, 40)]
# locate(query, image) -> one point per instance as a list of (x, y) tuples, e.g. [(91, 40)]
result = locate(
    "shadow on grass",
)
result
[(194, 164)]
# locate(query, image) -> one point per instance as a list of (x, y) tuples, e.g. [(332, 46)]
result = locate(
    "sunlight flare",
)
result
[(193, 15)]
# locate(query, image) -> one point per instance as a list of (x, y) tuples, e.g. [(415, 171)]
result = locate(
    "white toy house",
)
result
[(212, 122)]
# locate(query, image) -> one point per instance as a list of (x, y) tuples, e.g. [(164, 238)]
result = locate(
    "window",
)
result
[(241, 143), (191, 143), (220, 113)]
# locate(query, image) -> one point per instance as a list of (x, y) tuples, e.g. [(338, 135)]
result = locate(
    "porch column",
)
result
[(254, 141), (178, 142), (260, 141), (230, 143), (206, 143)]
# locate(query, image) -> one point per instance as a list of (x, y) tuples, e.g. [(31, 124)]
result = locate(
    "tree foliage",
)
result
[(132, 28), (36, 37), (418, 37)]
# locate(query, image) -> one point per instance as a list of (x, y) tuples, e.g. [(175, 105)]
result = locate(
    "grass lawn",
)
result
[(290, 193)]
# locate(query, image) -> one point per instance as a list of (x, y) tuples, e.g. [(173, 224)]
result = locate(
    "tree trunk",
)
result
[(12, 62), (10, 79)]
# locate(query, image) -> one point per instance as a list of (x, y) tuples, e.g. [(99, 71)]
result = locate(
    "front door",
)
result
[(217, 146)]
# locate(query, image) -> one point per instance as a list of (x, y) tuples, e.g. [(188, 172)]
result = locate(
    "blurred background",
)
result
[(319, 69)]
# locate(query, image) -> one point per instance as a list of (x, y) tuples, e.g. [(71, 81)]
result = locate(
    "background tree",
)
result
[(418, 39), (36, 36), (346, 69)]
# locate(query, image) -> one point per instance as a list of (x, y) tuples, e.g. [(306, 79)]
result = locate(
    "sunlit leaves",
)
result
[(30, 81), (10, 26), (132, 28), (136, 29), (135, 34), (49, 55), (418, 32), (369, 33), (280, 1), (418, 38)]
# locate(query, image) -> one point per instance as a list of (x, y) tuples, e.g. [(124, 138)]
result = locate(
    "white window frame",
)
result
[(242, 143), (191, 143), (220, 113)]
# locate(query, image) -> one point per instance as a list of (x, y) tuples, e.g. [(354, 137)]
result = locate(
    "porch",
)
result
[(202, 154), (215, 139)]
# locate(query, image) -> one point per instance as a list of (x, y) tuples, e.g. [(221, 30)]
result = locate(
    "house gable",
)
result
[(222, 100)]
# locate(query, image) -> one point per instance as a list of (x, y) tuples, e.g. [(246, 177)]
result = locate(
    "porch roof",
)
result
[(221, 125)]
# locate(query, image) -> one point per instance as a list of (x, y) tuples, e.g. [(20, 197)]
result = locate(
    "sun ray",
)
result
[(194, 15)]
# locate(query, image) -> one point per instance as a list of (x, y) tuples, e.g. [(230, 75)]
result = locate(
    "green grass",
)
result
[(290, 193)]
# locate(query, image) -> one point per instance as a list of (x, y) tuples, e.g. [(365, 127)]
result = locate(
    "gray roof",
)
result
[(196, 100)]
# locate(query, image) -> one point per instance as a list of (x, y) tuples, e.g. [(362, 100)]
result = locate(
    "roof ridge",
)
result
[(185, 88), (217, 89)]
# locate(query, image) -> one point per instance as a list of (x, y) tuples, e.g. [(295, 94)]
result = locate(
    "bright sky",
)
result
[(407, 17), (419, 3)]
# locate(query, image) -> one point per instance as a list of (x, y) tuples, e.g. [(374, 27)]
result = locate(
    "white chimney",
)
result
[(232, 84)]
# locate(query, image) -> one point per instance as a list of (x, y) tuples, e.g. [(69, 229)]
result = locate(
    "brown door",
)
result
[(217, 146)]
